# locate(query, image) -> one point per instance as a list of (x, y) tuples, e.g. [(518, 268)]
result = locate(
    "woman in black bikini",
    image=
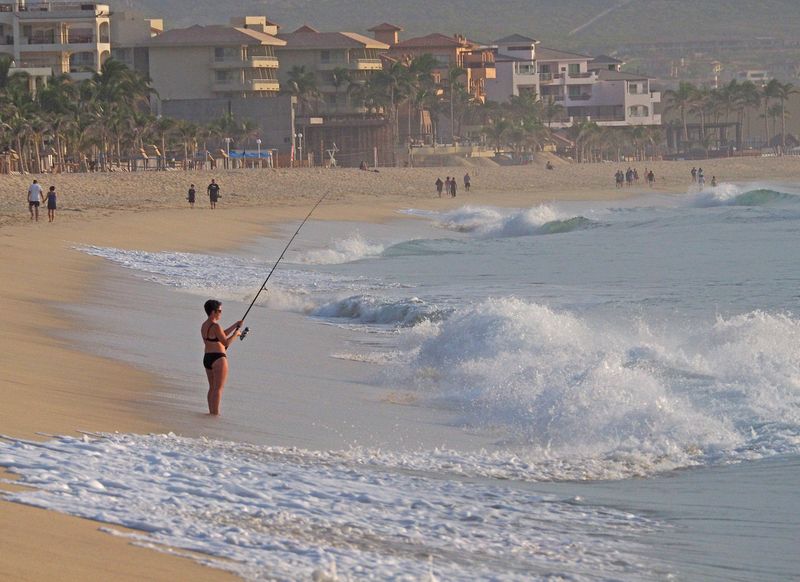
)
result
[(215, 360)]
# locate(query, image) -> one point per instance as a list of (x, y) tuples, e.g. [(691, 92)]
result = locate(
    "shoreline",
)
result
[(46, 386)]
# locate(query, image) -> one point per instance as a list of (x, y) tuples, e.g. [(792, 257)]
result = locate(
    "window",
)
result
[(225, 76), (525, 68), (325, 56), (633, 89), (574, 69), (227, 53), (638, 111)]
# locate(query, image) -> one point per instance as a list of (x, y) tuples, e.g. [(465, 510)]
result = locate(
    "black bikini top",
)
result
[(208, 339)]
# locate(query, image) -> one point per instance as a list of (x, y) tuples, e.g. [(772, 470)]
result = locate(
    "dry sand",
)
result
[(50, 386)]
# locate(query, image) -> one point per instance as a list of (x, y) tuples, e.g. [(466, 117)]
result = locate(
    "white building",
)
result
[(585, 88), (53, 38)]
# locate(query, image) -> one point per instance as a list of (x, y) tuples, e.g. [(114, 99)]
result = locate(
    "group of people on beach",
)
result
[(450, 187), (213, 194), (699, 178), (631, 176), (36, 197)]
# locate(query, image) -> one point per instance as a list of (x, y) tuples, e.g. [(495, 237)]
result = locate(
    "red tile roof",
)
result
[(435, 40), (385, 26), (214, 35)]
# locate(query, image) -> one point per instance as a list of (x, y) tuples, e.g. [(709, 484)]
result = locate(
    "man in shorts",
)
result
[(213, 193), (34, 200)]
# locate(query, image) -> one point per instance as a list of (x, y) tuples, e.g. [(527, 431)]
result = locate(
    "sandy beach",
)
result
[(53, 387)]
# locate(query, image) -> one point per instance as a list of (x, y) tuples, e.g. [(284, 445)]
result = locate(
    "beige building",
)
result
[(326, 53), (207, 62), (53, 38), (130, 35)]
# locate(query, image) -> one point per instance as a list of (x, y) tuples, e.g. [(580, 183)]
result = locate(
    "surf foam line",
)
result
[(490, 222), (611, 399), (289, 514), (345, 250), (737, 195)]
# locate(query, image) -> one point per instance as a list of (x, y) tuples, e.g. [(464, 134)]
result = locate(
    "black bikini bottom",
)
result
[(209, 359)]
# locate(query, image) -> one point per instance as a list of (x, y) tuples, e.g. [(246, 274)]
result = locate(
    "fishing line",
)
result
[(286, 248)]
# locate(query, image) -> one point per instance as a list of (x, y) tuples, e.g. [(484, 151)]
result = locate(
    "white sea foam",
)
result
[(491, 222), (726, 194), (345, 250), (270, 513), (232, 277), (371, 309), (625, 397)]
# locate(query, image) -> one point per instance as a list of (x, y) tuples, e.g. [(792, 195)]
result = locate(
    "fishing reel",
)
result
[(244, 333)]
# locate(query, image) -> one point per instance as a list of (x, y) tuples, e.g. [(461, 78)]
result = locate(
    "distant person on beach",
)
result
[(548, 165), (694, 174), (467, 182), (51, 204), (362, 166), (439, 186), (713, 181), (453, 187), (213, 193), (651, 178), (701, 179), (447, 186), (191, 195), (34, 200), (215, 359)]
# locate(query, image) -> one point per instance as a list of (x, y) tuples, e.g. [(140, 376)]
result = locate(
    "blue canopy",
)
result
[(264, 154)]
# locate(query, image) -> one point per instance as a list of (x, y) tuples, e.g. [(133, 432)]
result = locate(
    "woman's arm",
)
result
[(225, 337), (235, 326)]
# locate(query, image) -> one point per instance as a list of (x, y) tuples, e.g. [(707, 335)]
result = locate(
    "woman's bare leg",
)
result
[(219, 374), (210, 376)]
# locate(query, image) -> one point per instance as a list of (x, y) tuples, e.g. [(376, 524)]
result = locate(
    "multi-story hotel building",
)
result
[(207, 62), (53, 38), (325, 53), (586, 88)]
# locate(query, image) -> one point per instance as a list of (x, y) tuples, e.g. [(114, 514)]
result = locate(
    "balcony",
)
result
[(247, 85), (582, 97), (256, 62), (59, 11), (353, 65)]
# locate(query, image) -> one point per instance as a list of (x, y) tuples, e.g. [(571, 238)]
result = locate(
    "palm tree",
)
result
[(783, 92), (769, 91), (681, 99), (302, 84), (496, 130)]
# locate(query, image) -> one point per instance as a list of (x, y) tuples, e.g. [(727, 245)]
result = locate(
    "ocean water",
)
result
[(569, 391)]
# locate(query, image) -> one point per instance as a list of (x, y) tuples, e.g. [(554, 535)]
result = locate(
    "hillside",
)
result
[(548, 20)]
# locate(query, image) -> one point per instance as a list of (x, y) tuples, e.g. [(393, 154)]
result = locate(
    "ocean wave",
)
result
[(285, 513), (367, 309), (606, 398), (489, 222), (231, 277), (345, 250), (733, 195)]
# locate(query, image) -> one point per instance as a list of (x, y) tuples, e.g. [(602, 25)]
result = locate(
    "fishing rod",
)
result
[(246, 330)]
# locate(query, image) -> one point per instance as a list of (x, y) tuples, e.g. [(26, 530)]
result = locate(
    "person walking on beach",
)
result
[(713, 181), (651, 178), (467, 182), (191, 195), (51, 204), (694, 174), (215, 359), (453, 187), (213, 193), (701, 178), (439, 186), (34, 200)]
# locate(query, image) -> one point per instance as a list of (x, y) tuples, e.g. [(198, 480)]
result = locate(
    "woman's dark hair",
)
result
[(211, 305)]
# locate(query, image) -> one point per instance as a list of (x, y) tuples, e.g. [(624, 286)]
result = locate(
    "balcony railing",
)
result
[(545, 76), (580, 75), (583, 97)]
